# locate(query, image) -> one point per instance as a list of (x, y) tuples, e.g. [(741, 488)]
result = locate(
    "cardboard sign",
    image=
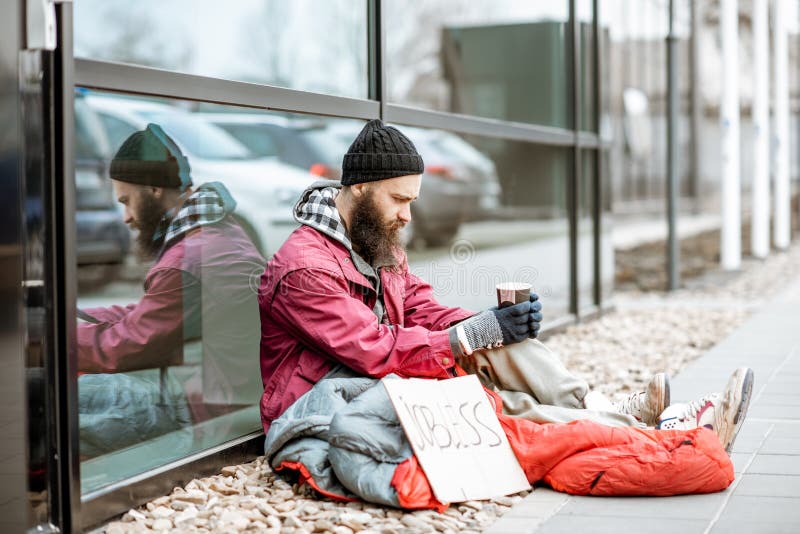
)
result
[(454, 431)]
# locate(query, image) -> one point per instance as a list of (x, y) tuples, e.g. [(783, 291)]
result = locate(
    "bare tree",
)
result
[(136, 36)]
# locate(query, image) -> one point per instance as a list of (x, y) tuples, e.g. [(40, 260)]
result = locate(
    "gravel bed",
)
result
[(616, 354), (250, 497), (651, 332)]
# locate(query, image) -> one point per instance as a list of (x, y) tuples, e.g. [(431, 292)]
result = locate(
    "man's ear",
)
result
[(358, 190), (157, 192)]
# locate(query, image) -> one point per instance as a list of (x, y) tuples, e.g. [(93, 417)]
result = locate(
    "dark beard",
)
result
[(148, 220), (375, 241)]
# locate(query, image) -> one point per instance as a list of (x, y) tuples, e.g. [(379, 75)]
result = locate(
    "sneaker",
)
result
[(647, 405), (721, 412)]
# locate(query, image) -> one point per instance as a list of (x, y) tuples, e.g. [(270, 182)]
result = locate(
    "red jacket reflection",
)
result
[(198, 290), (316, 311)]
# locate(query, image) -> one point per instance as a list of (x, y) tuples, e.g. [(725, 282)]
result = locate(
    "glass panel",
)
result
[(585, 16), (169, 329), (312, 45), (586, 251), (609, 13), (490, 211), (498, 59), (635, 93)]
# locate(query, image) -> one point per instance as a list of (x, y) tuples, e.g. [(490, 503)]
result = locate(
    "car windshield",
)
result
[(425, 143), (454, 145), (330, 146), (200, 139), (254, 137)]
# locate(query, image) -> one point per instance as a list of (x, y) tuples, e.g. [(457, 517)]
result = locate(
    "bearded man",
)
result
[(339, 300), (198, 315)]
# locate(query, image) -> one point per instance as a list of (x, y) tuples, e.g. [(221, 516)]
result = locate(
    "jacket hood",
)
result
[(316, 208), (208, 204)]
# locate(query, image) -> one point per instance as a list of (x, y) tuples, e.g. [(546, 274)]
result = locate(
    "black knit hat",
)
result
[(151, 157), (380, 152)]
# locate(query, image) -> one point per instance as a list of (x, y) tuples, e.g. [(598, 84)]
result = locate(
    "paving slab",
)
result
[(740, 460), (756, 485), (775, 464), (749, 508), (765, 497), (573, 524), (683, 506), (782, 430), (727, 525)]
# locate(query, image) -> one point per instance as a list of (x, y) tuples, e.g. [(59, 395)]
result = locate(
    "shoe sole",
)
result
[(663, 393), (743, 380)]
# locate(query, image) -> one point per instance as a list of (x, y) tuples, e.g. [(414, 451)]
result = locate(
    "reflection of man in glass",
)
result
[(198, 314)]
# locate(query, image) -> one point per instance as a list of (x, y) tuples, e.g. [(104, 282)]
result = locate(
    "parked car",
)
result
[(303, 142), (103, 240), (459, 183), (265, 189)]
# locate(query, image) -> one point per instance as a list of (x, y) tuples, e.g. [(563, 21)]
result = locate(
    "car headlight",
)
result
[(287, 196)]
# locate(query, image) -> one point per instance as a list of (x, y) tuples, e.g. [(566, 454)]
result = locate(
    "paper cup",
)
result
[(510, 293)]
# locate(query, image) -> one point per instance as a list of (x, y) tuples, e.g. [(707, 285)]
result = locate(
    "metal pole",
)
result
[(759, 236), (375, 50), (730, 246), (673, 253), (597, 211), (64, 269), (781, 143), (695, 145), (14, 505), (573, 200)]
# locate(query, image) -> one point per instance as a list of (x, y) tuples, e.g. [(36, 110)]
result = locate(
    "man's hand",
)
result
[(535, 315), (534, 319), (504, 326)]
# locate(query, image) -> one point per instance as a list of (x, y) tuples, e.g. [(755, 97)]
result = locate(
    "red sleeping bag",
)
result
[(587, 458)]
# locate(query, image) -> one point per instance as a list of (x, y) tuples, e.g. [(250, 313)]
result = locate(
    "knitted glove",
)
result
[(535, 317), (497, 327), (535, 322)]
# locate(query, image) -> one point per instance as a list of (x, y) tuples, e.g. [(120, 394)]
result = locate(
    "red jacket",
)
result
[(199, 289), (316, 310)]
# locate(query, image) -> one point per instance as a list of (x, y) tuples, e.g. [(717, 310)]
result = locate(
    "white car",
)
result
[(265, 189)]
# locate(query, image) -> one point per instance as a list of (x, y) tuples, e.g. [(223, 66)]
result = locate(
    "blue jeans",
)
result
[(119, 410)]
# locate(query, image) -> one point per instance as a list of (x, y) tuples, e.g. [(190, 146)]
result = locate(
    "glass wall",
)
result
[(634, 34), (169, 330), (491, 211), (312, 45), (168, 326), (496, 59), (587, 68)]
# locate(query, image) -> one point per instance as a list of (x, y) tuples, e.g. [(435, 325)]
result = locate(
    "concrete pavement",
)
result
[(765, 497)]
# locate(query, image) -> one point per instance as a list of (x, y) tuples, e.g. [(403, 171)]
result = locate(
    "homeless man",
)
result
[(198, 314), (338, 301)]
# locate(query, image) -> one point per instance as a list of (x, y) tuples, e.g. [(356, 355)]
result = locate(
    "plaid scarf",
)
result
[(317, 209), (204, 206)]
